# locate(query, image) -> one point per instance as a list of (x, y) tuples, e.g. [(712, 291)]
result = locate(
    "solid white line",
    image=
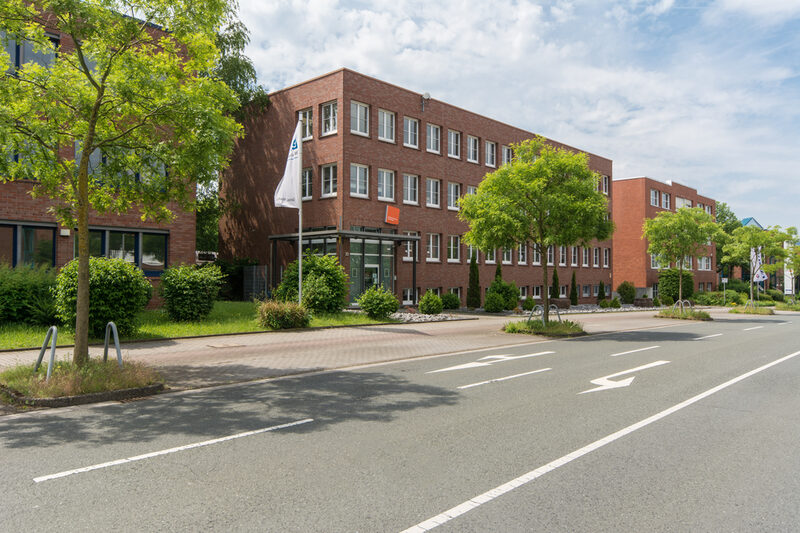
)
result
[(782, 323), (634, 351), (170, 450), (561, 461), (754, 327), (707, 336), (504, 379)]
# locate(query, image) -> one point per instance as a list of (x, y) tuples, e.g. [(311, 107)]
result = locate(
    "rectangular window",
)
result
[(665, 200), (606, 257), (523, 293), (410, 189), (585, 257), (453, 249), (453, 194), (432, 192), (454, 144), (307, 181), (97, 246), (434, 138), (410, 132), (456, 291), (596, 290), (307, 127), (654, 197), (604, 184), (522, 254), (471, 189), (491, 256), (551, 255), (471, 250), (408, 297), (682, 202), (654, 264), (507, 256), (385, 185), (359, 118), (433, 247), (507, 154), (562, 293), (359, 180), (537, 292), (329, 118), (708, 210), (473, 147), (586, 289), (562, 256), (410, 246), (537, 255), (385, 125), (574, 261), (596, 262), (687, 263), (7, 245), (122, 245), (491, 154), (37, 246), (154, 252), (328, 173)]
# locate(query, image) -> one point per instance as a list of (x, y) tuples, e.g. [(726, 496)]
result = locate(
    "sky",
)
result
[(704, 93)]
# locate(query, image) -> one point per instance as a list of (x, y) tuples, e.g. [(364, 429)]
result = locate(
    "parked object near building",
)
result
[(383, 169)]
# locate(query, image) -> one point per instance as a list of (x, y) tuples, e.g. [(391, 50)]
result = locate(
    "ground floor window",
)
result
[(146, 250), (537, 291), (595, 290), (523, 293), (456, 291), (409, 296), (586, 289), (27, 245), (371, 264), (562, 292)]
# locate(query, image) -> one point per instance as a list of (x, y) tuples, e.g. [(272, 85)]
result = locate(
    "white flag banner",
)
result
[(288, 191), (755, 258)]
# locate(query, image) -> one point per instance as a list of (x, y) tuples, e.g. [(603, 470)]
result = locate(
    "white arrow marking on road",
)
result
[(634, 351), (754, 327), (605, 382), (708, 336), (494, 359)]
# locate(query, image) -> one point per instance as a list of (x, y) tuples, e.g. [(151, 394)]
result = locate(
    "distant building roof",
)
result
[(751, 221)]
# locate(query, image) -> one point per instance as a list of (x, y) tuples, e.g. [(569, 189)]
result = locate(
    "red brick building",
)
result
[(636, 199), (370, 148)]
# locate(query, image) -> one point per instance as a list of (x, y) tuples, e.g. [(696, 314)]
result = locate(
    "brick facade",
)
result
[(259, 160), (633, 204)]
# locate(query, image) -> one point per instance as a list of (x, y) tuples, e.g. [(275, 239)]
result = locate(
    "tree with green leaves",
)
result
[(677, 236), (122, 116), (474, 288), (601, 292), (748, 241), (727, 221), (544, 196), (573, 290), (498, 271)]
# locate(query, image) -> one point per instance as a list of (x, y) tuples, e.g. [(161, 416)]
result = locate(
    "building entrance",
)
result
[(371, 265)]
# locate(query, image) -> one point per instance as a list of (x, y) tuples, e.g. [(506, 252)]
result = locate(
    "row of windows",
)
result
[(703, 263), (535, 292), (664, 200)]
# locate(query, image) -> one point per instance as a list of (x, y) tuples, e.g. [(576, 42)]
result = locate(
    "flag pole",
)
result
[(300, 221)]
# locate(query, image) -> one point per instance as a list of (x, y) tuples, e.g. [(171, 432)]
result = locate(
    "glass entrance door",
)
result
[(367, 258), (370, 276)]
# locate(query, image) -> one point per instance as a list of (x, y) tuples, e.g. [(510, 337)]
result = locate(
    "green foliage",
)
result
[(554, 287), (450, 301), (627, 292), (474, 288), (189, 292), (282, 315), (495, 302), (668, 284), (25, 295), (233, 272), (752, 311), (614, 303), (498, 271), (573, 290), (727, 221), (601, 293), (117, 292), (430, 304), (207, 214), (787, 307), (656, 302), (235, 69), (738, 285), (775, 294), (745, 238), (528, 304), (378, 303), (604, 304), (717, 298), (687, 314), (508, 291), (328, 273), (667, 300), (565, 328)]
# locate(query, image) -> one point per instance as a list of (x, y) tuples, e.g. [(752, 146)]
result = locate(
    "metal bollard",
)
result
[(51, 333)]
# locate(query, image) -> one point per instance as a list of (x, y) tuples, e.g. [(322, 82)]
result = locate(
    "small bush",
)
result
[(332, 276), (430, 304), (118, 291), (668, 283), (528, 304), (494, 303), (656, 302), (776, 295), (474, 287), (615, 303), (378, 303), (451, 301), (666, 300), (752, 311), (687, 314), (738, 286), (604, 304), (787, 307), (316, 293), (565, 328), (717, 298), (627, 292), (601, 293), (189, 292), (508, 291), (282, 315), (26, 295)]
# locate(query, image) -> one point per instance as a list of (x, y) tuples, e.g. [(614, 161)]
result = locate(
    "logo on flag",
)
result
[(756, 261), (288, 192)]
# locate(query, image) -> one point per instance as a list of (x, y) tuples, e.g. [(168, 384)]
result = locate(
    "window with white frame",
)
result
[(328, 173), (507, 154), (433, 141), (307, 181), (523, 292), (359, 118), (687, 263), (562, 292), (410, 189), (305, 117), (453, 194), (453, 249), (329, 118), (606, 257), (585, 261), (491, 256), (537, 292), (411, 246), (471, 189), (436, 290), (454, 143), (551, 255), (586, 289), (410, 132), (473, 148), (537, 255), (385, 185), (654, 197), (574, 259), (665, 197), (385, 125), (522, 254), (596, 262), (708, 210), (432, 253), (471, 250), (409, 296), (491, 154), (507, 256), (703, 263), (682, 202), (359, 180), (654, 263), (604, 184), (595, 290), (432, 189), (562, 256), (456, 291)]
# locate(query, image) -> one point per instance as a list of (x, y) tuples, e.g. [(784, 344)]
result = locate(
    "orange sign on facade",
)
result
[(392, 215)]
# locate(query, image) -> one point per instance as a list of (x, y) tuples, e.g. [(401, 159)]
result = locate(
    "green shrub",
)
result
[(753, 311), (601, 293), (528, 304), (627, 292), (668, 283), (687, 314), (494, 302), (564, 328), (330, 273), (554, 287), (738, 286), (474, 288), (316, 293), (666, 300), (118, 291), (378, 303), (776, 295), (717, 298), (451, 301), (656, 302), (573, 291), (604, 304), (430, 304), (283, 315), (189, 292), (26, 295), (508, 291), (615, 303)]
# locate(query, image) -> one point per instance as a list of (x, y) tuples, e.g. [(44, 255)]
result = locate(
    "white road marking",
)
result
[(493, 359), (782, 323), (605, 382), (707, 336), (754, 327), (504, 379), (168, 451), (496, 492), (634, 351)]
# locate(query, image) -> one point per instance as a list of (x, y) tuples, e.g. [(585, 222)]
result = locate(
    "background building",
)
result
[(383, 169), (639, 198)]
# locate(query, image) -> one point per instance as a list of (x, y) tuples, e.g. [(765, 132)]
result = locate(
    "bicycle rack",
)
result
[(749, 303), (683, 304), (538, 311), (52, 335), (113, 328)]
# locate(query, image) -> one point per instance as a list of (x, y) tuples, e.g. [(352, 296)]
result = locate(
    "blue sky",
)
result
[(705, 93)]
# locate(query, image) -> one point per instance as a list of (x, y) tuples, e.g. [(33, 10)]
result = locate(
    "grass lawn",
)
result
[(226, 317), (787, 307), (565, 328), (688, 314)]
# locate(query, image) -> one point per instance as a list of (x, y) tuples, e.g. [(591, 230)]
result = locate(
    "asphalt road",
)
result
[(703, 438)]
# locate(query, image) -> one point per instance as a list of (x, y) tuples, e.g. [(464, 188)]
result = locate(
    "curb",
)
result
[(94, 397)]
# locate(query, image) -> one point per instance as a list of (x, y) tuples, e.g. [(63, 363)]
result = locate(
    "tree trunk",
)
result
[(680, 283), (545, 289), (81, 354)]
